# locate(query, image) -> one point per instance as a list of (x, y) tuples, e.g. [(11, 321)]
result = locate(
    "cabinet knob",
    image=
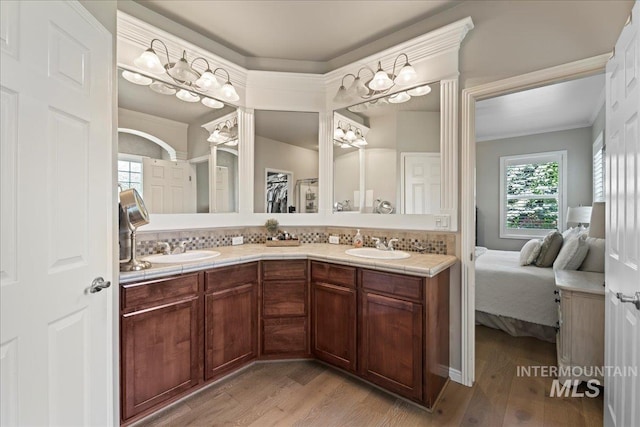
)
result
[(556, 292), (558, 300)]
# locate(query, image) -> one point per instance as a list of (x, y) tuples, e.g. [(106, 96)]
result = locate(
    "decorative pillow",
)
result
[(594, 260), (572, 254), (571, 232), (551, 245), (530, 251)]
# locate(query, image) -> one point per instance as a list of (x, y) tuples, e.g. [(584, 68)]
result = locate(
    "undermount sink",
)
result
[(189, 256), (377, 253)]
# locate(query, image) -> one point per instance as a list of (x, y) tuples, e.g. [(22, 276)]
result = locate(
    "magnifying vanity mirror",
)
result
[(166, 152), (286, 162), (387, 154)]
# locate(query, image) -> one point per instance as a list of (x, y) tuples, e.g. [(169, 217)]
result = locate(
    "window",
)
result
[(532, 191), (130, 173), (598, 169)]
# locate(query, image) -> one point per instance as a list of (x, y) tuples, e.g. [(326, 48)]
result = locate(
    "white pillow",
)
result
[(572, 254), (594, 260), (530, 251)]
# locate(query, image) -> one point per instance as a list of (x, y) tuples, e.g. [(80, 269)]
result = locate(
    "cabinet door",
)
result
[(285, 337), (333, 324), (391, 352), (159, 354), (230, 329), (282, 298)]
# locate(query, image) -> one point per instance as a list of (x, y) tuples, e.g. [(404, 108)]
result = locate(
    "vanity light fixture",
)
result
[(162, 89), (136, 78), (225, 133), (352, 137), (212, 103), (185, 95), (379, 83), (399, 98), (183, 72)]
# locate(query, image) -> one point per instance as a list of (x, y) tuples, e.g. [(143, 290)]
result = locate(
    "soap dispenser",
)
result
[(358, 241)]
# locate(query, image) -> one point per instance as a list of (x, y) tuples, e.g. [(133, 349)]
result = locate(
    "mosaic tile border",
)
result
[(433, 243)]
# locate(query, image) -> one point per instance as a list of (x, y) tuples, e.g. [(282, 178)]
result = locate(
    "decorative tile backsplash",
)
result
[(433, 242)]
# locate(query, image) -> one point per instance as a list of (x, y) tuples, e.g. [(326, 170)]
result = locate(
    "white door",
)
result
[(168, 186), (622, 324), (57, 208), (421, 183), (222, 189)]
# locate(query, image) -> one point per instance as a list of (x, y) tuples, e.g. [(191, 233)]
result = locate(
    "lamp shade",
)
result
[(229, 92), (579, 215), (597, 224), (149, 61), (407, 75), (182, 72)]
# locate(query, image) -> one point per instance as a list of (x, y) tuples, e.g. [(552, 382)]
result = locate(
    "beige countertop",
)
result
[(426, 265)]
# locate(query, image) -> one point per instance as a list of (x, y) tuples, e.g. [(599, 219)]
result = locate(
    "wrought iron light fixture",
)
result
[(379, 83), (183, 73), (225, 133)]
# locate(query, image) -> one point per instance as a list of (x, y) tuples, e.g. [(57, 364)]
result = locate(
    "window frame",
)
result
[(599, 179), (132, 158), (544, 157)]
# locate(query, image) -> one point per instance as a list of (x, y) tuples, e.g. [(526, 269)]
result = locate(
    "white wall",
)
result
[(577, 142), (279, 155), (172, 132), (139, 146), (346, 176)]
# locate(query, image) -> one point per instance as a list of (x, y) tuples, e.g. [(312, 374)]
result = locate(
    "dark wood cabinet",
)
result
[(391, 351), (284, 309), (160, 329), (230, 319), (334, 314)]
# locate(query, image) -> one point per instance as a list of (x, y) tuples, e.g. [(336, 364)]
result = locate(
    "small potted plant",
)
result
[(272, 226)]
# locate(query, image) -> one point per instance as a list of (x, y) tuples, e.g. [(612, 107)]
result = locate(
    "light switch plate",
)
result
[(237, 240), (442, 222), (334, 240)]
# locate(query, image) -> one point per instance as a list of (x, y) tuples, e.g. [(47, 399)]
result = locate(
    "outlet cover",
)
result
[(237, 240), (334, 240)]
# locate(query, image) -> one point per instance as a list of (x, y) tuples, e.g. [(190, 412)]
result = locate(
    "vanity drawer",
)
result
[(393, 284), (284, 298), (285, 269), (333, 274), (228, 277), (136, 296)]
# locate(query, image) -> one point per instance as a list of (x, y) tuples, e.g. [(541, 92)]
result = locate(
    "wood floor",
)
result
[(311, 394)]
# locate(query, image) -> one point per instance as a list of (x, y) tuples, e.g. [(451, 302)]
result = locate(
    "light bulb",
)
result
[(229, 92), (212, 103), (420, 90), (185, 95), (407, 75), (350, 135), (399, 98), (136, 78), (149, 61), (207, 81), (338, 133), (381, 80)]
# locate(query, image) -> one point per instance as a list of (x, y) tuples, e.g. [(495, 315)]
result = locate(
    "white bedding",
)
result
[(505, 288)]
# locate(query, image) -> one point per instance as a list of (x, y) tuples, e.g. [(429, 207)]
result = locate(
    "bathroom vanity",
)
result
[(186, 326)]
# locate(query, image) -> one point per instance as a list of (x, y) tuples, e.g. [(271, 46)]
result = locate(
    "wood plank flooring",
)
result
[(307, 393)]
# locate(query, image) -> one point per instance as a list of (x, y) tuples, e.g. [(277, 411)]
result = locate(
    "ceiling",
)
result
[(290, 127), (312, 30), (567, 105)]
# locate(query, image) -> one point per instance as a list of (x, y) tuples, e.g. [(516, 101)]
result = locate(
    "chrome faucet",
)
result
[(180, 248), (164, 247), (390, 244), (383, 245)]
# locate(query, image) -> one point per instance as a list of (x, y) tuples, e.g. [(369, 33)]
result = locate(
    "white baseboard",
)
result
[(455, 375)]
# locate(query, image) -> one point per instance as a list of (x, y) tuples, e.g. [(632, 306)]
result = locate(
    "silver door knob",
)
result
[(635, 299), (98, 284)]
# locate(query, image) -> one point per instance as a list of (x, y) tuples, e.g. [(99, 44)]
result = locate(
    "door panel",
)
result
[(169, 186), (56, 215)]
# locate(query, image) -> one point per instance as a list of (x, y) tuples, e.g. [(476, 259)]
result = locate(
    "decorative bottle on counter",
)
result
[(358, 241)]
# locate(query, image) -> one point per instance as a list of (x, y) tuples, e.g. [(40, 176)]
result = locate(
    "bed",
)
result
[(516, 299)]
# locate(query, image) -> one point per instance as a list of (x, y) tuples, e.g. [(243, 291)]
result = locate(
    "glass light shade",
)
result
[(341, 95), (360, 142), (208, 81), (212, 138), (338, 133), (350, 135), (182, 72), (345, 145), (162, 88), (185, 95), (399, 98), (229, 92), (380, 81), (361, 88), (232, 143), (420, 90), (149, 61), (407, 75), (212, 103), (136, 78)]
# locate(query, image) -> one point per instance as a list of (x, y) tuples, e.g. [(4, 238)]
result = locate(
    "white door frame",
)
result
[(570, 71)]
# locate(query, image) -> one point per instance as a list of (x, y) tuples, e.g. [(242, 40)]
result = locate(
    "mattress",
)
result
[(505, 288)]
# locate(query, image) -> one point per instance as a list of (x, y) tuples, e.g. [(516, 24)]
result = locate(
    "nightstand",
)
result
[(580, 338)]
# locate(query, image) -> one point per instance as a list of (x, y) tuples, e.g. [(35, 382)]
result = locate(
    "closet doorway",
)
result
[(278, 190)]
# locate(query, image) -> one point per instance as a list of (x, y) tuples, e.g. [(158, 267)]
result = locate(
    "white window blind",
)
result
[(598, 169)]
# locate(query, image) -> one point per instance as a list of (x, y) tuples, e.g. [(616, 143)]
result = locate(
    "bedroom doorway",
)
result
[(470, 175)]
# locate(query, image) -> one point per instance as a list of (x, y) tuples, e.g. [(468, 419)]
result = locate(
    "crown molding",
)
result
[(139, 33), (436, 42)]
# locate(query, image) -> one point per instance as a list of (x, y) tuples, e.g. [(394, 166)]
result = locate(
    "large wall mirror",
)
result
[(177, 148), (386, 154), (286, 162)]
